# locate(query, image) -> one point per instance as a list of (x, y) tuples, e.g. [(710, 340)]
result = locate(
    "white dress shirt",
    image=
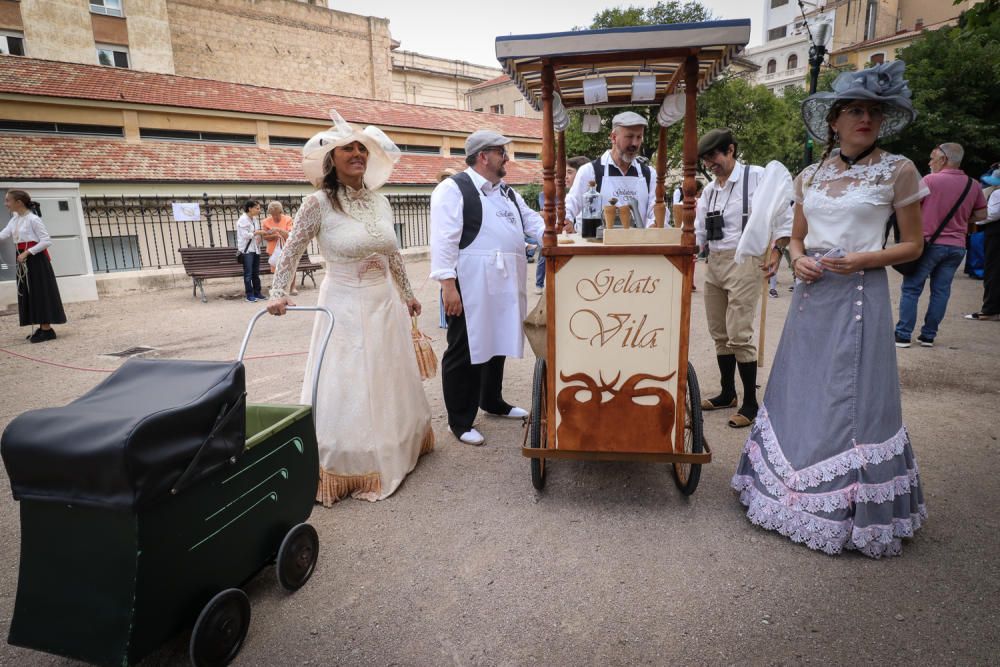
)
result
[(993, 207), (447, 220), (585, 174), (245, 228), (25, 229), (729, 200)]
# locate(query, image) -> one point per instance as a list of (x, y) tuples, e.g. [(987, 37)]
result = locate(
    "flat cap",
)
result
[(718, 139), (628, 119), (480, 140)]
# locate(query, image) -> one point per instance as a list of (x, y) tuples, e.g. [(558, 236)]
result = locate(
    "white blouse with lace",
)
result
[(847, 206), (361, 230)]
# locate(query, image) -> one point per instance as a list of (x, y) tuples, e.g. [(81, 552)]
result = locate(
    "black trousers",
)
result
[(991, 270), (467, 386)]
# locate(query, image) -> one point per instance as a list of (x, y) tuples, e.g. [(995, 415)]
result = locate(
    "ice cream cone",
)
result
[(625, 213)]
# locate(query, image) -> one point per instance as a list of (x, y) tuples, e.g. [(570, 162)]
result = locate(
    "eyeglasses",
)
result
[(857, 112), (942, 154), (499, 149)]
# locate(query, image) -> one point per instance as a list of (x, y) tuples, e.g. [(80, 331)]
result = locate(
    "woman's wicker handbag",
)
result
[(426, 359)]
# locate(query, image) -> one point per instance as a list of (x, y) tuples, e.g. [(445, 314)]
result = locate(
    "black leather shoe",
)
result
[(43, 335)]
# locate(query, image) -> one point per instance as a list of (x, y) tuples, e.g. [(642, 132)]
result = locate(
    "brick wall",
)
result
[(282, 44)]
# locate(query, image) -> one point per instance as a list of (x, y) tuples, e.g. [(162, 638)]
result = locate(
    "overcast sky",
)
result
[(466, 31)]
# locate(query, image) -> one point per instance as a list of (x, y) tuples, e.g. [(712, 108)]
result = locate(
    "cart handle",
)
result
[(322, 349)]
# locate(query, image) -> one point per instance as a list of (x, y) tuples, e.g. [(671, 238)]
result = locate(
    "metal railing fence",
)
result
[(127, 233)]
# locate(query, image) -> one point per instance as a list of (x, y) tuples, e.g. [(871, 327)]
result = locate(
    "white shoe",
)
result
[(539, 290), (472, 437), (515, 413)]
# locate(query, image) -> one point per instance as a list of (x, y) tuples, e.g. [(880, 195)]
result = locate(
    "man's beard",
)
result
[(501, 171)]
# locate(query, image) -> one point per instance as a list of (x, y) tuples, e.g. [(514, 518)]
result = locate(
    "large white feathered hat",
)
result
[(382, 152)]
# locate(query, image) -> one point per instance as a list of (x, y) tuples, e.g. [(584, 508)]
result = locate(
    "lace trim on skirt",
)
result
[(826, 535), (831, 500), (859, 456)]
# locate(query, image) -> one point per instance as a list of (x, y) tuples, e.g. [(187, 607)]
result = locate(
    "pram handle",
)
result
[(322, 349)]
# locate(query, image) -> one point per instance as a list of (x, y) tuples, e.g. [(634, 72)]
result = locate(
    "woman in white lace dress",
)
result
[(828, 462), (372, 417)]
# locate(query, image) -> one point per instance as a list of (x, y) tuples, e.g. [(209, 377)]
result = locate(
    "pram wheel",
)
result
[(220, 629), (297, 556)]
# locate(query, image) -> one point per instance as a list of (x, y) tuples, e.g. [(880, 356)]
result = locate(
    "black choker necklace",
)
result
[(851, 161)]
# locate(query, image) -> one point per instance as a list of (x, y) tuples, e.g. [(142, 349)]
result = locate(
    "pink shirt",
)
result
[(946, 186)]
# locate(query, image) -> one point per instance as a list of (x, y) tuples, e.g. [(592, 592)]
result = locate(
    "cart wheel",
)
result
[(538, 423), (297, 556), (687, 474), (220, 629)]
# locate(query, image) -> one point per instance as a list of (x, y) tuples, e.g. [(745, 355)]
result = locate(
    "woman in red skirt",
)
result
[(38, 300)]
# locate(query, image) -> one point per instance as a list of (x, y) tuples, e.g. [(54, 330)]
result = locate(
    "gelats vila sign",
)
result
[(617, 337)]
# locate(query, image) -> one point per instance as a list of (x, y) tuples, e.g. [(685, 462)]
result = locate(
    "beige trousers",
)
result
[(731, 294)]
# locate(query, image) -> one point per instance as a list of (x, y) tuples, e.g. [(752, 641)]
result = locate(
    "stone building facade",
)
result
[(499, 95), (68, 31), (277, 43), (282, 44), (436, 82)]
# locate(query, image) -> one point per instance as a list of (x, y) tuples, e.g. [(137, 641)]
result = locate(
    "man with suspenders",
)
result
[(618, 173), (478, 225), (731, 289)]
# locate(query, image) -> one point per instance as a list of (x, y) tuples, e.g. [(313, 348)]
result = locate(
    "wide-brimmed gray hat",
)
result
[(882, 83), (480, 140), (628, 119)]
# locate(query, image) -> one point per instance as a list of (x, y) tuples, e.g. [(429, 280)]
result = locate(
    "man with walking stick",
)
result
[(731, 288)]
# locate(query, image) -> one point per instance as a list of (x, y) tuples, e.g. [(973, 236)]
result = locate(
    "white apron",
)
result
[(491, 275), (622, 186)]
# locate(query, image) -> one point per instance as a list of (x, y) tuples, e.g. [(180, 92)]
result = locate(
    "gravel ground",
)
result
[(468, 565)]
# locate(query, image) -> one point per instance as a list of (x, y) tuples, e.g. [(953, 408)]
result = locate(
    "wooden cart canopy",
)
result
[(617, 55)]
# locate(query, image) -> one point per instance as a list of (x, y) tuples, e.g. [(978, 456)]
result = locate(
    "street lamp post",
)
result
[(817, 53)]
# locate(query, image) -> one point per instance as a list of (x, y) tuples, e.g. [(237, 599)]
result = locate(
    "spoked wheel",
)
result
[(297, 556), (687, 474), (220, 629), (538, 424)]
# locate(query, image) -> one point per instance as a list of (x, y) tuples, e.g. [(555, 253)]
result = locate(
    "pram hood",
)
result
[(152, 427)]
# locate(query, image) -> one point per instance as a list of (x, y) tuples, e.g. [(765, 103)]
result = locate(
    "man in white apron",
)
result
[(617, 172), (731, 289), (478, 225)]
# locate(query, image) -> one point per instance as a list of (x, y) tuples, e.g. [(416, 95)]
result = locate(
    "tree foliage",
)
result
[(766, 127), (954, 74), (672, 11)]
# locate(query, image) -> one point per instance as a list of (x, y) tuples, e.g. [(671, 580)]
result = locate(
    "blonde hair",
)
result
[(274, 205)]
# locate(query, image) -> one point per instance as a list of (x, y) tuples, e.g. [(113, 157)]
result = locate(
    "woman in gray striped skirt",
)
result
[(829, 462)]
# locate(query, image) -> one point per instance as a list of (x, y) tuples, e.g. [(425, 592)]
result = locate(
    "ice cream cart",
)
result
[(612, 380)]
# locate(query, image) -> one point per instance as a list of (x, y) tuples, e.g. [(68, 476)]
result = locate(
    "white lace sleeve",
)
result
[(396, 266), (398, 271), (304, 229)]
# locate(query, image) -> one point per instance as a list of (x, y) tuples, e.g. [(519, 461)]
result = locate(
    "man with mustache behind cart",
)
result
[(618, 173)]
